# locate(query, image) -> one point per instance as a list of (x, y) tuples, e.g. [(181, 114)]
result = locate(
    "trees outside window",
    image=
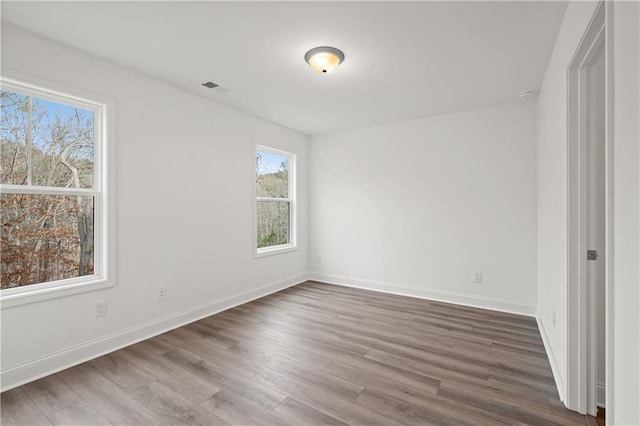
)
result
[(50, 187), (275, 201)]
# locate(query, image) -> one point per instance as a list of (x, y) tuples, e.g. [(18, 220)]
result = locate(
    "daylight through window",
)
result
[(275, 207), (50, 187)]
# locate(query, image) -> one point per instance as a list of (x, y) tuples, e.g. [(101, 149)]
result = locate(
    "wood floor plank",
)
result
[(515, 410), (19, 409), (106, 397), (419, 320), (517, 344), (358, 328), (516, 322), (209, 351), (237, 411), (172, 408), (274, 356), (292, 412), (260, 396), (501, 349), (535, 385), (212, 335), (78, 414), (535, 403), (402, 387), (343, 410), (314, 354), (191, 332), (391, 372), (330, 332), (464, 355), (506, 336), (427, 413), (156, 345), (440, 371), (181, 380), (123, 374), (236, 328), (332, 384), (449, 359), (428, 340), (51, 394)]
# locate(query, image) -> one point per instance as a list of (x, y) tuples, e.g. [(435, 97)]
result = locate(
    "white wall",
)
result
[(623, 327), (416, 207), (623, 403), (184, 214), (552, 191)]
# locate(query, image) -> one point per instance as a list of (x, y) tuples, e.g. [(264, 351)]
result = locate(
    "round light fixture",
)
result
[(324, 59)]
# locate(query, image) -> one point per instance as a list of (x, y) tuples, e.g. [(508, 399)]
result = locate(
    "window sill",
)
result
[(41, 292), (275, 250)]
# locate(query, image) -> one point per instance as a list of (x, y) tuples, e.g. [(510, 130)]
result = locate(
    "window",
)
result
[(275, 200), (53, 217)]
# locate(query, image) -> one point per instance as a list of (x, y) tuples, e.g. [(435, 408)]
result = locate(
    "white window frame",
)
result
[(291, 199), (103, 192)]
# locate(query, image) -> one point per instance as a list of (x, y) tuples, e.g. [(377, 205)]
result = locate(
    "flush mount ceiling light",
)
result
[(324, 59)]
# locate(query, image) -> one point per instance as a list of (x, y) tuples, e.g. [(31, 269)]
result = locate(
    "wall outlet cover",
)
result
[(162, 293), (101, 309)]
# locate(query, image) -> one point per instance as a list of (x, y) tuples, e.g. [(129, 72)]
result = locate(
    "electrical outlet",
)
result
[(162, 293), (101, 309), (319, 260), (477, 277)]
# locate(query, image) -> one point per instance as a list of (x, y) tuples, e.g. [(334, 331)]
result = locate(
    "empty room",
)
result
[(320, 213)]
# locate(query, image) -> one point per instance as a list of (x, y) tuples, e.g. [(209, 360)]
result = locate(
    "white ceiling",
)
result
[(403, 59)]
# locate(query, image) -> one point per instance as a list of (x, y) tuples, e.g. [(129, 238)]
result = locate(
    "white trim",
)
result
[(291, 199), (601, 399), (19, 85), (581, 352), (500, 305), (277, 200), (38, 292), (25, 372), (270, 251), (555, 369), (609, 195), (103, 190), (45, 190)]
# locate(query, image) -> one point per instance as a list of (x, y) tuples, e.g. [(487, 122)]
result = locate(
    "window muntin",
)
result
[(51, 190), (275, 203)]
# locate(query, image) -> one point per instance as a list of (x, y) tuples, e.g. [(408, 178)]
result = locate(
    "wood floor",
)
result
[(314, 354)]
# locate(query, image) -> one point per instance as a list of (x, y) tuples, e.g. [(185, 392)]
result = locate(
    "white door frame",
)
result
[(581, 349)]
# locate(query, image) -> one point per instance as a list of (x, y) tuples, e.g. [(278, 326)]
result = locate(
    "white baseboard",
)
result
[(601, 395), (562, 392), (31, 370), (438, 295)]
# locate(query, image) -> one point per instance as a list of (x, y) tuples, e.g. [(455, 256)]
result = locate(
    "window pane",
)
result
[(272, 175), (45, 238), (62, 153), (273, 223), (13, 137)]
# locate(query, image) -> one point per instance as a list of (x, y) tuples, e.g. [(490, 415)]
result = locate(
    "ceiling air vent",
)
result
[(209, 85)]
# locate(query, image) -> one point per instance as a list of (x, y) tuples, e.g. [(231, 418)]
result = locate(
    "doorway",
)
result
[(596, 233), (587, 195)]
